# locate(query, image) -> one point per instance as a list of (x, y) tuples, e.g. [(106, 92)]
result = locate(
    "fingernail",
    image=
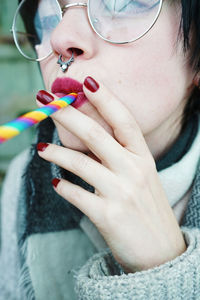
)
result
[(42, 146), (44, 97), (91, 84), (55, 182)]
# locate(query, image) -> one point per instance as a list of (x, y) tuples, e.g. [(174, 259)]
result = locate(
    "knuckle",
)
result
[(95, 133), (144, 169), (129, 193), (141, 179), (75, 193), (128, 125), (68, 191), (128, 196), (79, 162), (125, 190)]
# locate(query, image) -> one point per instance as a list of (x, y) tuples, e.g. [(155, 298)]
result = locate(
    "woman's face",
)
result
[(150, 76)]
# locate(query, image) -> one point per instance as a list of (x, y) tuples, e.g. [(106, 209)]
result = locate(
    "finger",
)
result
[(117, 115), (89, 203), (92, 134), (80, 164), (68, 117)]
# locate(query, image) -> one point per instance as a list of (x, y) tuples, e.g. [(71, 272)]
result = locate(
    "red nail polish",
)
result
[(42, 146), (91, 84), (44, 97), (55, 182)]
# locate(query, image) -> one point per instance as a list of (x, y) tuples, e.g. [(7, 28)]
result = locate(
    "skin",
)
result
[(113, 140)]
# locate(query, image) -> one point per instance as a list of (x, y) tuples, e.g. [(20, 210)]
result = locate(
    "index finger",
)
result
[(117, 115)]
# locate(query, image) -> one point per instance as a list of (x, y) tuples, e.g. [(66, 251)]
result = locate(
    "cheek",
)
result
[(49, 70), (155, 92), (153, 76)]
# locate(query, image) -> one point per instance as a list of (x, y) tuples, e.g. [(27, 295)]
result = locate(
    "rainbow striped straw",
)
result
[(15, 127)]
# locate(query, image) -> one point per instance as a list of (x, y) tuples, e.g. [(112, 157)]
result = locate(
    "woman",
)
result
[(121, 218)]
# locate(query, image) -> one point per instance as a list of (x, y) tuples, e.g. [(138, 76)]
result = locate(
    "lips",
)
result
[(64, 86)]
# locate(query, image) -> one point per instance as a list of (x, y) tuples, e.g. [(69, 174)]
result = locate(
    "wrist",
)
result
[(161, 257)]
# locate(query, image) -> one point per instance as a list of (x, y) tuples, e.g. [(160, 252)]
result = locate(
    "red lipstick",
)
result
[(66, 85)]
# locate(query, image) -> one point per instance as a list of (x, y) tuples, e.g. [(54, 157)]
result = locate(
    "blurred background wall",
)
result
[(19, 82)]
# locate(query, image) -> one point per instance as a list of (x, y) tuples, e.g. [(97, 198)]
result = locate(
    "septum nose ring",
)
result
[(65, 65)]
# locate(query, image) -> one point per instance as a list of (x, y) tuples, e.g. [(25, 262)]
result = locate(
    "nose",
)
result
[(74, 33)]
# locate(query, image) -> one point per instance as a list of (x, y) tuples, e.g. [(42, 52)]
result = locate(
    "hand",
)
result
[(129, 207)]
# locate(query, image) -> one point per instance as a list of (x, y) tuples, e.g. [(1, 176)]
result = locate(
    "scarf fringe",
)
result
[(25, 283)]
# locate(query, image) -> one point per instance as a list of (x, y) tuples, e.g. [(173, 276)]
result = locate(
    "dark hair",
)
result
[(189, 29), (28, 11)]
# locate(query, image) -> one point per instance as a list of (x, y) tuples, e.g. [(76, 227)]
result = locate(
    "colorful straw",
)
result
[(15, 127)]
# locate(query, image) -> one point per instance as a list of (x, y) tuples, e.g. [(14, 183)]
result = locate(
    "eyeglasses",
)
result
[(115, 21)]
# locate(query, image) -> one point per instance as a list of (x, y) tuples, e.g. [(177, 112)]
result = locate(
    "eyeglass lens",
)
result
[(117, 21), (123, 20), (35, 22)]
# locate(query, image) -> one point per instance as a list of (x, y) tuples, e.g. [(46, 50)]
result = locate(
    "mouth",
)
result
[(66, 85)]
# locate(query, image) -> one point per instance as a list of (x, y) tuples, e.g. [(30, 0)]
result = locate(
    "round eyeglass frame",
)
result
[(62, 11)]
